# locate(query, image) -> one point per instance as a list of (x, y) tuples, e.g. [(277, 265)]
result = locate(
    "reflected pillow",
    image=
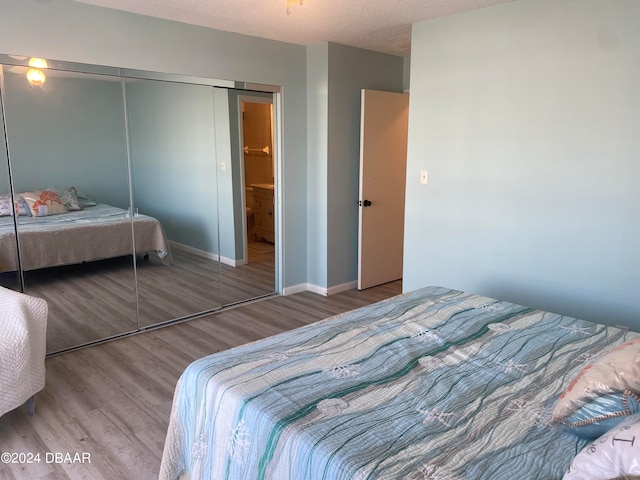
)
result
[(85, 201), (7, 209), (69, 198), (43, 203), (603, 393), (613, 455)]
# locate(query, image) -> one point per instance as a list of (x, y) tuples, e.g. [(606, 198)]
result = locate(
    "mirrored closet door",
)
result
[(173, 163), (136, 211)]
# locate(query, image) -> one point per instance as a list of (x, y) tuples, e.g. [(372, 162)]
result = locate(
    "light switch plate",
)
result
[(424, 177)]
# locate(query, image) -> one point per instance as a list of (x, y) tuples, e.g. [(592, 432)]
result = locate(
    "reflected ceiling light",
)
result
[(35, 76), (292, 2)]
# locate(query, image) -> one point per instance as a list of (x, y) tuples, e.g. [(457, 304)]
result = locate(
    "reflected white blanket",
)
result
[(23, 328)]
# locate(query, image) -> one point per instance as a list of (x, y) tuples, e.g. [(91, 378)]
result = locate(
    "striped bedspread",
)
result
[(432, 384)]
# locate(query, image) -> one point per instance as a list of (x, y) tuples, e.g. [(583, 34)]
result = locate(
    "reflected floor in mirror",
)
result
[(193, 284), (252, 280), (87, 301), (95, 300)]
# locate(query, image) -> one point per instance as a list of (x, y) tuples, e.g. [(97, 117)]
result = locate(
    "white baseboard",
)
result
[(310, 287), (342, 287), (203, 253), (301, 287), (316, 289)]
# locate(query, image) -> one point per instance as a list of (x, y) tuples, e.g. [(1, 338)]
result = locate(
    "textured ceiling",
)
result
[(380, 25)]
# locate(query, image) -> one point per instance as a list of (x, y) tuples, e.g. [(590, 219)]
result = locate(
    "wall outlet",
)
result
[(424, 177)]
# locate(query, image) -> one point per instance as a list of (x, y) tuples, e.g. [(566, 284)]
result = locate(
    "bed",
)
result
[(98, 232), (432, 384)]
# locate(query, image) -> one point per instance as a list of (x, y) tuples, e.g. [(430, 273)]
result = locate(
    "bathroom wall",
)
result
[(258, 166)]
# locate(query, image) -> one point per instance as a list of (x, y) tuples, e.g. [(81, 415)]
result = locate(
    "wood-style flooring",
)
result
[(96, 300), (112, 401)]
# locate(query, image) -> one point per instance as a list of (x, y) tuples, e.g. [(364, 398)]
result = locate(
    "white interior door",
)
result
[(383, 164)]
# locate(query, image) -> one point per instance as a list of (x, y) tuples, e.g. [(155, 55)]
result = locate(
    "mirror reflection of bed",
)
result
[(176, 161)]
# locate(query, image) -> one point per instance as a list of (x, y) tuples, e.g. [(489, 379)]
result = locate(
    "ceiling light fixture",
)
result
[(292, 2), (38, 63), (35, 76)]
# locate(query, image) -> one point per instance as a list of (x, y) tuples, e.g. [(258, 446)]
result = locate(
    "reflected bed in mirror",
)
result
[(83, 234)]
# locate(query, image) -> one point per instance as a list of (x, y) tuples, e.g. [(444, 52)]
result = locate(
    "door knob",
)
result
[(366, 203)]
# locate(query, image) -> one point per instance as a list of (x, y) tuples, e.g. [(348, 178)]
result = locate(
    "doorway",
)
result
[(258, 177)]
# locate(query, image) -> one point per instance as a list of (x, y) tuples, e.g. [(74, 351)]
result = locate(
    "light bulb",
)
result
[(38, 63), (36, 77)]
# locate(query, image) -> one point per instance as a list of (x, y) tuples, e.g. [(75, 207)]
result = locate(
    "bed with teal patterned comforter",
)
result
[(431, 384)]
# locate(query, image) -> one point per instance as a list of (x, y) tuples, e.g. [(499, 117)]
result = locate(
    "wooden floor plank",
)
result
[(113, 400)]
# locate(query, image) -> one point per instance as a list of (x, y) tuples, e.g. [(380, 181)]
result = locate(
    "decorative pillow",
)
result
[(43, 203), (69, 198), (6, 207), (85, 201), (613, 455), (603, 393)]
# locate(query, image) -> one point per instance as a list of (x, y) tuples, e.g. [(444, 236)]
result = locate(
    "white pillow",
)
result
[(616, 454), (7, 208)]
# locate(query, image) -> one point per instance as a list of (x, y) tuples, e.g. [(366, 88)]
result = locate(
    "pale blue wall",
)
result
[(72, 31), (350, 70), (526, 117), (173, 161), (68, 132), (335, 76), (317, 132), (227, 200), (235, 173), (406, 73)]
